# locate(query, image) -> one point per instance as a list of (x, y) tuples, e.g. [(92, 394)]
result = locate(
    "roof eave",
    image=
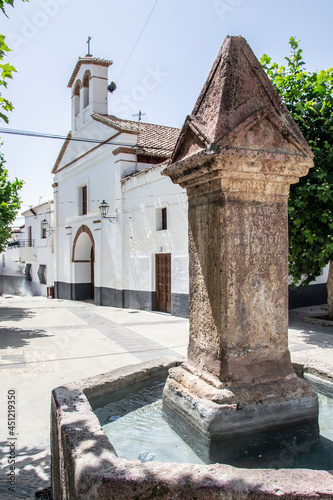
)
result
[(87, 60)]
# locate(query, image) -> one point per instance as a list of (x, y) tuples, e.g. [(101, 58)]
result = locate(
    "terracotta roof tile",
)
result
[(144, 171), (154, 140)]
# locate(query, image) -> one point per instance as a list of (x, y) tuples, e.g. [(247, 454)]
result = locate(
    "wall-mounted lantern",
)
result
[(104, 210), (46, 226)]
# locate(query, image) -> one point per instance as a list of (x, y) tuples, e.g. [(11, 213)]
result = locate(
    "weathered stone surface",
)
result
[(238, 273), (238, 107), (85, 466), (237, 155), (225, 412)]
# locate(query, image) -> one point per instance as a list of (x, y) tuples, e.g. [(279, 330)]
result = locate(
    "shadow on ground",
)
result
[(17, 337), (15, 313), (32, 472), (313, 333)]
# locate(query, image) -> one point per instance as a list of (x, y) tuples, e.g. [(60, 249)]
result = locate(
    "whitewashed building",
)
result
[(27, 263), (136, 256)]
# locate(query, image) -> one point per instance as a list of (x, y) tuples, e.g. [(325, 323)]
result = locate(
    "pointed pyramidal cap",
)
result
[(238, 107)]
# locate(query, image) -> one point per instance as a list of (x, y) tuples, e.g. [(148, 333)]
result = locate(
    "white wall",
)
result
[(100, 171), (124, 248), (143, 194)]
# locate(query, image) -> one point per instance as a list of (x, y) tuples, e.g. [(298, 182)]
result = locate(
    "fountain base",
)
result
[(229, 412), (242, 450)]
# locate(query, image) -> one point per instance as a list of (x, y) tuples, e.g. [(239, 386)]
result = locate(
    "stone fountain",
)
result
[(237, 154)]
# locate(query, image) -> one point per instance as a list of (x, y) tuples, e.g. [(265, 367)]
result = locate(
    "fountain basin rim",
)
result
[(93, 469)]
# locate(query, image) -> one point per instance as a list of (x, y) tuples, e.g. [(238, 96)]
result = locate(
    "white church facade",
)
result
[(135, 256)]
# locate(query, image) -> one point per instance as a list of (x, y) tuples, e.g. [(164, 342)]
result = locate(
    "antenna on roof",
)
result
[(139, 115)]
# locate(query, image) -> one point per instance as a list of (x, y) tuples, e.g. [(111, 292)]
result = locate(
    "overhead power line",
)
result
[(136, 43), (78, 139)]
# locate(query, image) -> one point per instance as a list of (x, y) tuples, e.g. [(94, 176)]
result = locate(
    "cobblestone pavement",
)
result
[(45, 343)]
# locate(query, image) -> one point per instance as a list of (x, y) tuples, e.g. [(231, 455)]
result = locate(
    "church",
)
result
[(120, 235)]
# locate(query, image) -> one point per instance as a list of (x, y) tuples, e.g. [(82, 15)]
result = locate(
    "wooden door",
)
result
[(163, 282), (29, 244)]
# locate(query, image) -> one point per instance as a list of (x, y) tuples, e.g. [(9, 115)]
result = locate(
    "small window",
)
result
[(29, 234), (161, 219), (43, 232), (83, 201), (3, 260)]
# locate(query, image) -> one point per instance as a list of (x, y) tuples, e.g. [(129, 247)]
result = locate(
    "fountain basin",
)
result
[(85, 465)]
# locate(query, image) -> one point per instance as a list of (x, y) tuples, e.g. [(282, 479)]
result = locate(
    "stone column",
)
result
[(238, 244), (237, 168)]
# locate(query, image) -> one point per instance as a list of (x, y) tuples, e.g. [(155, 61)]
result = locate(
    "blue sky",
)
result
[(164, 76)]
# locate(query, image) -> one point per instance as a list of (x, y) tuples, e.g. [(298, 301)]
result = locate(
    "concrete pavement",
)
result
[(45, 343)]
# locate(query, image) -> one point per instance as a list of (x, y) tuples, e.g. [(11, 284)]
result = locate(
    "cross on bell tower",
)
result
[(88, 42)]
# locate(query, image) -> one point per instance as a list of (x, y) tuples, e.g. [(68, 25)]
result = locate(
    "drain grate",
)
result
[(44, 494)]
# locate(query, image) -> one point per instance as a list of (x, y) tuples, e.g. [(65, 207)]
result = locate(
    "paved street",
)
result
[(45, 343)]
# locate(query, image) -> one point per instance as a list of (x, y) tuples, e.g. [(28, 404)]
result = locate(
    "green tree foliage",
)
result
[(309, 98), (6, 71), (9, 200), (2, 5), (9, 203)]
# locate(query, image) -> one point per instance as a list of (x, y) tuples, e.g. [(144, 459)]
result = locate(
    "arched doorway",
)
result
[(83, 259)]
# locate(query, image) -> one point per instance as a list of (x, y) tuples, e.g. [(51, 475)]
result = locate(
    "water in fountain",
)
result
[(136, 425)]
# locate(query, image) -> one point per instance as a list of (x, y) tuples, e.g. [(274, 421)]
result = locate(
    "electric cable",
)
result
[(78, 139), (136, 43)]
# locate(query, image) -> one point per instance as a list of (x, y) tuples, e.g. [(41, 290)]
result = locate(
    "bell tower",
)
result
[(88, 82)]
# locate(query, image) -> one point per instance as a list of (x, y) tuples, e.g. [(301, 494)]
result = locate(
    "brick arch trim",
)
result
[(86, 79), (83, 229), (77, 88)]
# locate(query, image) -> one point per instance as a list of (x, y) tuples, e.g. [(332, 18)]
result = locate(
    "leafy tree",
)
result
[(309, 98), (9, 200), (9, 203), (6, 71)]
